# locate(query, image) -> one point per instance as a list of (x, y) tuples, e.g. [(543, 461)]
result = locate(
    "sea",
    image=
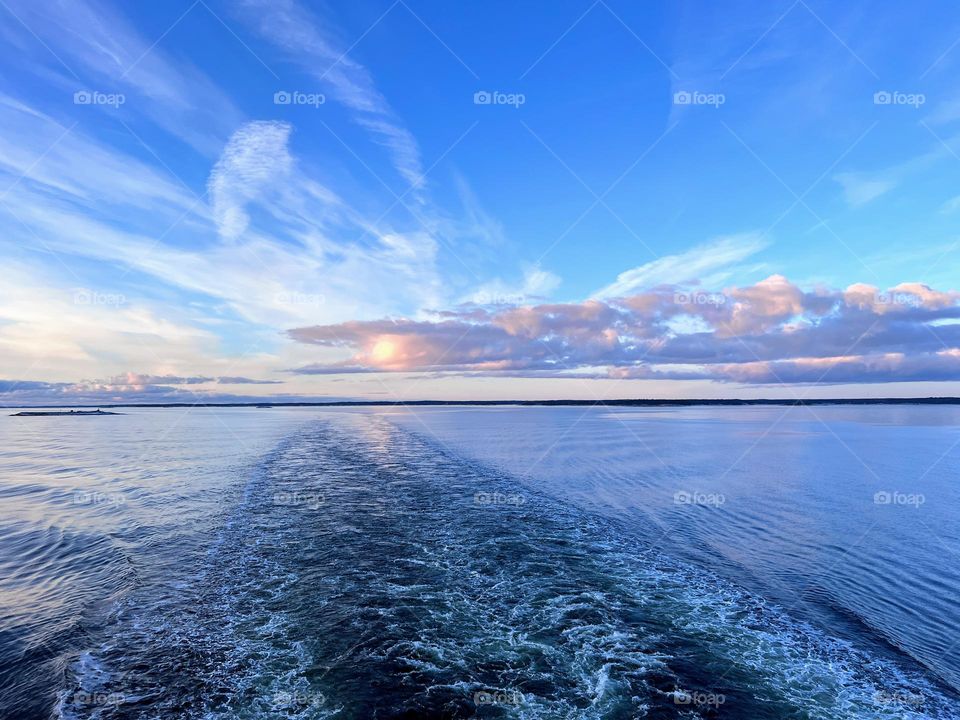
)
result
[(481, 561)]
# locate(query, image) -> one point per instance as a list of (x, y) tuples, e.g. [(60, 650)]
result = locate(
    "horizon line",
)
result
[(616, 402)]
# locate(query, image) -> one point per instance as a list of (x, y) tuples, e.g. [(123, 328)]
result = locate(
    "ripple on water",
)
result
[(368, 573)]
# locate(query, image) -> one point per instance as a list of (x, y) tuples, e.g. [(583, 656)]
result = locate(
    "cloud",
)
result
[(252, 161), (238, 380), (80, 199), (190, 287), (537, 284), (99, 45), (692, 265), (294, 29), (33, 393), (56, 331), (37, 151), (951, 205), (137, 380), (769, 332), (859, 190)]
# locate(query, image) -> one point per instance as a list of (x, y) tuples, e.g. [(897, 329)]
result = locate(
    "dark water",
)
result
[(296, 564), (847, 516)]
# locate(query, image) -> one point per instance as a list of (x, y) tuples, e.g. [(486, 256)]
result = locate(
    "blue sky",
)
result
[(398, 200)]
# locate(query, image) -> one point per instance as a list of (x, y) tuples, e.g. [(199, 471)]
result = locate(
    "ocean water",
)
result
[(757, 562)]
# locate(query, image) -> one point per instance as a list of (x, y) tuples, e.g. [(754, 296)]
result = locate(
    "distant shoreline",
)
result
[(676, 402), (63, 413)]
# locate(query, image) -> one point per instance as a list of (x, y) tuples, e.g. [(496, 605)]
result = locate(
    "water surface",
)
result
[(461, 562)]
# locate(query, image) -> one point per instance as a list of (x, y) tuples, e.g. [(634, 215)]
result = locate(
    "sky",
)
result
[(409, 199)]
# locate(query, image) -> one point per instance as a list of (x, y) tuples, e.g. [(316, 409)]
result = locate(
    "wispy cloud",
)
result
[(537, 284), (97, 48), (139, 380), (951, 205), (859, 189), (304, 38), (65, 332), (273, 248), (37, 393), (691, 266), (253, 160), (64, 163)]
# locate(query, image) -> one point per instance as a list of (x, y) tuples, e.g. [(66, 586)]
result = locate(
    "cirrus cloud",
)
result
[(254, 158)]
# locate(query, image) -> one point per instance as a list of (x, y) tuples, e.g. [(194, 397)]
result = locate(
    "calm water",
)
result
[(482, 562)]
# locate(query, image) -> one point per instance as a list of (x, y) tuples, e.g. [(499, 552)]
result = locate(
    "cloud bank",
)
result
[(132, 388), (771, 332)]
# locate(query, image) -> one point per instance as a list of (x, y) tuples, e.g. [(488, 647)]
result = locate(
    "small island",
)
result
[(32, 413)]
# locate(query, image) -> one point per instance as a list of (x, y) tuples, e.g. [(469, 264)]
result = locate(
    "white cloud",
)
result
[(536, 285), (686, 267), (99, 45), (36, 150), (859, 189), (321, 261), (951, 205), (538, 282), (291, 27), (57, 331), (254, 159)]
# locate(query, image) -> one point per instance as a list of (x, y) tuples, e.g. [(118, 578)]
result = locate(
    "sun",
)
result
[(382, 351)]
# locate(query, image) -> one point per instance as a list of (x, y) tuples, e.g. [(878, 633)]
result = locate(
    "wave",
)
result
[(369, 573)]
